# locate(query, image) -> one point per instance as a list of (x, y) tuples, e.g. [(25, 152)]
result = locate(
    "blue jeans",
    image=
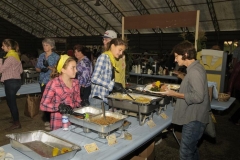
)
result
[(191, 133), (11, 87), (94, 102)]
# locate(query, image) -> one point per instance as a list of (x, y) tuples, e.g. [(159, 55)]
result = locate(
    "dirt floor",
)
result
[(224, 147)]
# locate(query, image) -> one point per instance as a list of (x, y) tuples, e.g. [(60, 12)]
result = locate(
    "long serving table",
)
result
[(142, 76), (140, 136), (221, 106), (25, 89)]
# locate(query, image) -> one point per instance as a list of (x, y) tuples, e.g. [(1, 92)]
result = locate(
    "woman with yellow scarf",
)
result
[(103, 79), (11, 71)]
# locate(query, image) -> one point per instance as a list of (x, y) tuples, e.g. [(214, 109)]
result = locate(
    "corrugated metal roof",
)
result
[(63, 18)]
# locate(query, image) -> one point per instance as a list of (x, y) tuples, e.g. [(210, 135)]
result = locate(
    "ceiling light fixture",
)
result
[(97, 3)]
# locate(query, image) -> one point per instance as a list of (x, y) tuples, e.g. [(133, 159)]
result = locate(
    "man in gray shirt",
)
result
[(192, 106)]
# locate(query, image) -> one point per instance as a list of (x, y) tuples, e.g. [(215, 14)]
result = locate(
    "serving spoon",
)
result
[(129, 95)]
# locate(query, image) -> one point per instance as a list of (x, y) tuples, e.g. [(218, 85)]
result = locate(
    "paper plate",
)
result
[(174, 86), (148, 88)]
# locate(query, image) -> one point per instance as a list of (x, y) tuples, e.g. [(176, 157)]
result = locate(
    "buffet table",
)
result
[(140, 136), (142, 76), (25, 89)]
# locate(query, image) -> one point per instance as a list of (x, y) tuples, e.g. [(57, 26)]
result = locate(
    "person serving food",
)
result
[(103, 76), (62, 90)]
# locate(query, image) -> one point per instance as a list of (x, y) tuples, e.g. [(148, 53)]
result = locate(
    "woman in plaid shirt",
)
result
[(62, 90), (103, 76)]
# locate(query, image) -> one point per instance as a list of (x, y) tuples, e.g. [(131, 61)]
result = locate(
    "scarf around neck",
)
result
[(112, 59), (12, 53)]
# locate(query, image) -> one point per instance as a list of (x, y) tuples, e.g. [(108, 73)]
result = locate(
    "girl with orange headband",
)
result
[(63, 89)]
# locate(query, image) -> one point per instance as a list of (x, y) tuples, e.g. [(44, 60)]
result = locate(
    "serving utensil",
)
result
[(103, 110), (129, 95)]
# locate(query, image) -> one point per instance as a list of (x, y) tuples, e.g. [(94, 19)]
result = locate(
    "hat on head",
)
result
[(110, 34)]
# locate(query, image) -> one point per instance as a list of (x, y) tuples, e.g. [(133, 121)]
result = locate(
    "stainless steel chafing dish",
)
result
[(136, 88), (101, 129), (144, 109), (39, 145)]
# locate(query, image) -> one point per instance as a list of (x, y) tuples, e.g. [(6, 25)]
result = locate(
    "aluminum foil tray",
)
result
[(39, 145), (97, 127)]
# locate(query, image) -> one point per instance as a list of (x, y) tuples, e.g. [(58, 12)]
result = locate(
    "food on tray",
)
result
[(158, 83), (139, 99), (65, 150), (55, 151), (103, 121), (142, 99), (156, 89)]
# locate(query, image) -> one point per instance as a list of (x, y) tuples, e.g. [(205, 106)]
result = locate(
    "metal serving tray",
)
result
[(97, 127), (39, 145), (118, 102)]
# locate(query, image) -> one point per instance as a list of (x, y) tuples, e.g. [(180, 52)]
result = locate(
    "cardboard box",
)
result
[(147, 154)]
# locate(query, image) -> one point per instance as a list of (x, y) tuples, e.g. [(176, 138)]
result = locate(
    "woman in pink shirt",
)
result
[(11, 70), (62, 89)]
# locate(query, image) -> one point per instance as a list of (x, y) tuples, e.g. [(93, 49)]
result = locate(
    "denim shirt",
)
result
[(52, 61)]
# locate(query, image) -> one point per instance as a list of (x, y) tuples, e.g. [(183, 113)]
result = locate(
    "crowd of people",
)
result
[(69, 81), (73, 82)]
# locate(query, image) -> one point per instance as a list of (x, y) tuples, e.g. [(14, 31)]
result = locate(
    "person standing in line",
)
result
[(61, 90), (193, 105), (11, 70), (45, 64), (120, 62), (103, 75), (84, 72)]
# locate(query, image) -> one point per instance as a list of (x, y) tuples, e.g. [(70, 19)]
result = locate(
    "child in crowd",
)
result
[(63, 89), (103, 77)]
